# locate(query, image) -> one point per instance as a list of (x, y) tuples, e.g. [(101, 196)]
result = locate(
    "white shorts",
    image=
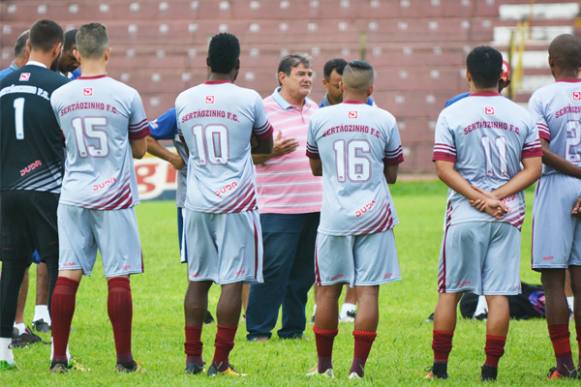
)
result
[(359, 260), (82, 231), (556, 233), (480, 257), (223, 248)]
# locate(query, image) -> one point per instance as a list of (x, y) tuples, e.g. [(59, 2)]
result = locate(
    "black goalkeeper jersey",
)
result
[(32, 148)]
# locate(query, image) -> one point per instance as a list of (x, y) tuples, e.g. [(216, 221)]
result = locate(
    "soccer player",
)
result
[(480, 142), (222, 228), (556, 233), (68, 64), (31, 170), (357, 150), (104, 124)]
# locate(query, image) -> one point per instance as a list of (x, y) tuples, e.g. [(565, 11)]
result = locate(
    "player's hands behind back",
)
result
[(490, 204), (576, 211)]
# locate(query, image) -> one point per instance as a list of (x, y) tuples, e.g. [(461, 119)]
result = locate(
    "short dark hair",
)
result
[(44, 34), (92, 40), (565, 50), (484, 63), (70, 37), (288, 62), (20, 44), (224, 53), (337, 64), (358, 75)]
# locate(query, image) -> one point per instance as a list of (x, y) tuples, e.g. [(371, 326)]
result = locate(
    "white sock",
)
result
[(571, 303), (52, 351), (5, 350), (346, 307), (21, 328), (41, 313), (481, 307)]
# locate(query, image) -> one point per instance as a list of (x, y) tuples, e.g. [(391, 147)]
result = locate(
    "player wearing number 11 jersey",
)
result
[(480, 143), (356, 148), (104, 125), (222, 230)]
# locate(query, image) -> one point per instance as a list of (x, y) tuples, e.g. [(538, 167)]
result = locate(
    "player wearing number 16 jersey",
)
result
[(480, 143), (104, 124), (222, 229), (356, 148), (556, 109)]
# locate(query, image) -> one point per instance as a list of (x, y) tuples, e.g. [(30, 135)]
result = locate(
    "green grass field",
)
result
[(400, 354)]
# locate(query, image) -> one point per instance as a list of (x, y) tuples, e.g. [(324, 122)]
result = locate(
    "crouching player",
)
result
[(104, 124), (480, 143), (356, 148)]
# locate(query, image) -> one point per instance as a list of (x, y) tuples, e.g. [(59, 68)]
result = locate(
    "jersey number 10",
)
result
[(211, 144)]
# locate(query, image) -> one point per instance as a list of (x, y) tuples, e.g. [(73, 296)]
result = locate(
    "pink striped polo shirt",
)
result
[(286, 184)]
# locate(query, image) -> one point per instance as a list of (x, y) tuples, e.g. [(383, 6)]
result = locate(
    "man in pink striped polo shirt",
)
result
[(289, 201)]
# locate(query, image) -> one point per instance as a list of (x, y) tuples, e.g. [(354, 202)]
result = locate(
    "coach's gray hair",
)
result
[(92, 40), (358, 75), (288, 62)]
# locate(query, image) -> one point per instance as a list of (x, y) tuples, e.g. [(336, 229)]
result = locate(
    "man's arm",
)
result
[(279, 148), (263, 145), (528, 175), (138, 147), (158, 150), (316, 166), (559, 163), (390, 172), (577, 208)]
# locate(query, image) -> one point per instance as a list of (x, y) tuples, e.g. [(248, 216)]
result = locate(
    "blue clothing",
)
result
[(8, 70), (325, 102), (456, 98), (288, 270), (165, 126), (75, 74)]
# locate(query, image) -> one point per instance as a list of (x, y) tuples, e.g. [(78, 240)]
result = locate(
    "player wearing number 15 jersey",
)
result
[(222, 230), (31, 170), (556, 109), (356, 148), (480, 143), (104, 124)]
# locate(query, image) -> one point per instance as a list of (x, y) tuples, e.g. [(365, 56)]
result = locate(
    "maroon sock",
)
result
[(224, 344), (559, 334), (363, 343), (120, 308), (62, 310), (193, 345), (324, 338), (442, 345), (494, 349)]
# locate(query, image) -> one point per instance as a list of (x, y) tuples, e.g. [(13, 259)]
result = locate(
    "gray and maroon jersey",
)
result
[(486, 136), (99, 116), (556, 109), (353, 141), (217, 120)]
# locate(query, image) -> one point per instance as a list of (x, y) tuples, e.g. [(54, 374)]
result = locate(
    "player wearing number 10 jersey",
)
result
[(355, 147), (480, 142), (104, 124), (556, 109), (222, 230)]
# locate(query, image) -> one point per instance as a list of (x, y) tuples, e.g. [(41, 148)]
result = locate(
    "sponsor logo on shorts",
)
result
[(126, 267), (352, 114), (195, 275), (548, 258), (69, 264), (577, 95), (387, 275), (24, 77), (240, 273), (210, 99), (336, 277), (88, 91), (363, 210), (227, 188), (489, 110), (31, 167), (463, 283)]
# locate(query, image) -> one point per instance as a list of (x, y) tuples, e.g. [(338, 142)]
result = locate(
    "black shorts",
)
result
[(28, 222)]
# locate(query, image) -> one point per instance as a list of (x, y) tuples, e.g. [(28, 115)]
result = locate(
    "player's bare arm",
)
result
[(559, 163), (531, 172), (390, 172), (316, 167), (577, 208), (446, 172), (280, 148), (262, 145), (138, 147), (156, 149)]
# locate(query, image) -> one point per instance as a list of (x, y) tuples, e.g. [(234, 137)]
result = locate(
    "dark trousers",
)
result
[(288, 270)]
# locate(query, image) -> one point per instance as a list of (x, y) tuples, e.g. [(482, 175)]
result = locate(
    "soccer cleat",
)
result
[(437, 371), (25, 339), (328, 373), (208, 318), (59, 367), (230, 371), (554, 374), (127, 367), (354, 376), (488, 374), (6, 366), (194, 369), (41, 326)]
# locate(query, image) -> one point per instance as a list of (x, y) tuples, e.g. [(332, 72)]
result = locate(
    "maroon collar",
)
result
[(93, 76), (570, 80), (355, 102), (485, 94), (217, 82)]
